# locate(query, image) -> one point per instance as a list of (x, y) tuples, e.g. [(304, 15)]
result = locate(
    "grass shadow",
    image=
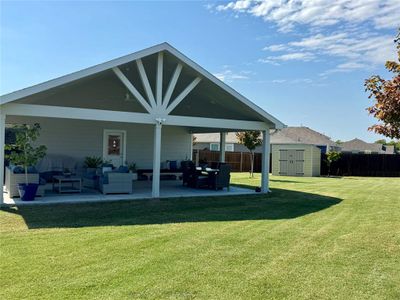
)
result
[(280, 204)]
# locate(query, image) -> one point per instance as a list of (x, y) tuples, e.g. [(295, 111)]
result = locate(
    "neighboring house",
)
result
[(211, 141), (304, 135), (142, 108), (288, 135), (359, 146)]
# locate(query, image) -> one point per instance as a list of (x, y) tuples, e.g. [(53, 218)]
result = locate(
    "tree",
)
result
[(386, 107), (331, 157), (381, 141), (396, 145), (251, 140), (23, 153)]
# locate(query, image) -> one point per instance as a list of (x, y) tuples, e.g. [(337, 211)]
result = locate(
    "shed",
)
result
[(296, 160)]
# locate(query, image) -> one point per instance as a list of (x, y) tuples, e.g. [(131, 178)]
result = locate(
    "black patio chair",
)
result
[(222, 178)]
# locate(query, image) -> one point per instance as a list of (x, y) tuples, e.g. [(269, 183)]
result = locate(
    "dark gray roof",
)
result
[(360, 145), (301, 135), (288, 135)]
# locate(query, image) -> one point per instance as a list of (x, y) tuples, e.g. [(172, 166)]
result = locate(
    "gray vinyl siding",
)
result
[(316, 161), (80, 138)]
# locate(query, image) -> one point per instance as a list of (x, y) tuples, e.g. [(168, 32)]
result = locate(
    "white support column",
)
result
[(2, 141), (222, 138), (191, 147), (155, 192), (265, 162)]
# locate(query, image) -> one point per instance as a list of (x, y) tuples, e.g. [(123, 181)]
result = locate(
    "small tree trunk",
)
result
[(251, 164)]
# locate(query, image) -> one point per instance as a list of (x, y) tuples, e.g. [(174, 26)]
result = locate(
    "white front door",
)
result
[(114, 146)]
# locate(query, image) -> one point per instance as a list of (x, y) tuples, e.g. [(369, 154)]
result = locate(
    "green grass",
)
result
[(318, 238)]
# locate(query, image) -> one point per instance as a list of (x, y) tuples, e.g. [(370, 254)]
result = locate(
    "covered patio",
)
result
[(152, 100), (141, 190)]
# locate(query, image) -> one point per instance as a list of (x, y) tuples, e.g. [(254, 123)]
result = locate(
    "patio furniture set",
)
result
[(110, 180)]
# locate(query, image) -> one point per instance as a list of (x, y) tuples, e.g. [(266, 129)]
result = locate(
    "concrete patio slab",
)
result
[(141, 190)]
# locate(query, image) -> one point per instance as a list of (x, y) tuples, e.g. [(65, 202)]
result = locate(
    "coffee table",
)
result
[(67, 184)]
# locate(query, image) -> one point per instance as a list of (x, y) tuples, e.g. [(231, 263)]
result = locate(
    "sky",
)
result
[(303, 61)]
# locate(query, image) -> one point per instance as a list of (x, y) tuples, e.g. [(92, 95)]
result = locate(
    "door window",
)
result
[(114, 144)]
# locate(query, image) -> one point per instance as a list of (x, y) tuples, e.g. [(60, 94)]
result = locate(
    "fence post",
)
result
[(241, 161)]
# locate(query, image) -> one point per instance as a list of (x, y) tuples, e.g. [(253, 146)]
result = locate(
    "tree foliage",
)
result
[(331, 157), (386, 107), (23, 153), (251, 140)]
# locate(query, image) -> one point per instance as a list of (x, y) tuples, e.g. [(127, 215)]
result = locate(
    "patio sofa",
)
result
[(171, 169), (16, 175)]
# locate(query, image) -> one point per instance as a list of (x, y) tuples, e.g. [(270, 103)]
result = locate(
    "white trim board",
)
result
[(47, 111)]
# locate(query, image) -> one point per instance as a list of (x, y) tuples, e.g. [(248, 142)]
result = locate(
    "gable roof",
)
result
[(301, 135), (10, 97), (359, 145), (288, 135)]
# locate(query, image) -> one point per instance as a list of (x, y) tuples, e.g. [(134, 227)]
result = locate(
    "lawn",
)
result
[(320, 238)]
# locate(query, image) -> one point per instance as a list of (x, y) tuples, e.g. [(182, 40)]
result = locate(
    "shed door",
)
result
[(291, 162), (283, 162), (299, 162)]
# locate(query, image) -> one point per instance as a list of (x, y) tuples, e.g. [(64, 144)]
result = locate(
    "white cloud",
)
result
[(352, 48), (278, 80), (347, 32), (320, 13), (293, 81), (275, 48), (228, 75), (302, 56)]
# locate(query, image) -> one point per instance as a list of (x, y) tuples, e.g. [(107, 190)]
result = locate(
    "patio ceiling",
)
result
[(159, 81)]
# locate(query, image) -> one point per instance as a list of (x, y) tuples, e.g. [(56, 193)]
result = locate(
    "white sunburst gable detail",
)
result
[(182, 95), (171, 85), (146, 83), (159, 79), (132, 89)]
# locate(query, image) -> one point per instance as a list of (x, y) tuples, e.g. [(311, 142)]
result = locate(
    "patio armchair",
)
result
[(222, 178), (90, 178), (188, 171), (116, 183)]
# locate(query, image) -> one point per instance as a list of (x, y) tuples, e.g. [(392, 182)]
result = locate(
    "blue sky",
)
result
[(302, 61)]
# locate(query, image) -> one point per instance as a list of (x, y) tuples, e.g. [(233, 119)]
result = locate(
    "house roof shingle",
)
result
[(289, 135), (360, 145)]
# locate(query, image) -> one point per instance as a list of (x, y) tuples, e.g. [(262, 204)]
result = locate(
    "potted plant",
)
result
[(91, 163), (133, 170), (24, 154)]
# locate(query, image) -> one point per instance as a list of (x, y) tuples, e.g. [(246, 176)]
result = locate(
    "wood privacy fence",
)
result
[(384, 165), (239, 161)]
